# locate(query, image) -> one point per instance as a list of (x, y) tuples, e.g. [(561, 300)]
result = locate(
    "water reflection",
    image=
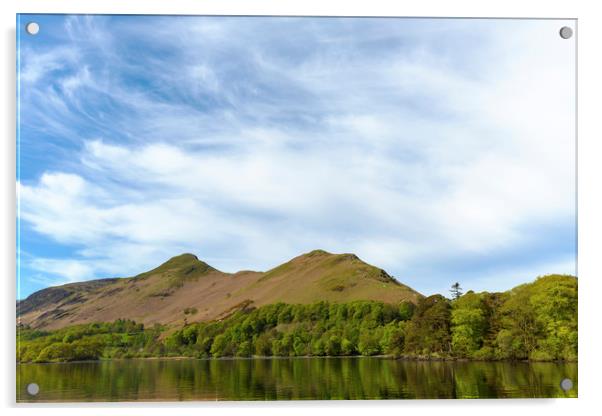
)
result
[(291, 379)]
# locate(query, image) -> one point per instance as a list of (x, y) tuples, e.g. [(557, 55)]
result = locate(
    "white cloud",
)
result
[(36, 65), (402, 160), (69, 270), (70, 84)]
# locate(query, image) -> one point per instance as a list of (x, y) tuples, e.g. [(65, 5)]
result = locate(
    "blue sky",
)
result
[(440, 150)]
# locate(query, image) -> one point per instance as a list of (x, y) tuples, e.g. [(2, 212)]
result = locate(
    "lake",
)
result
[(290, 379)]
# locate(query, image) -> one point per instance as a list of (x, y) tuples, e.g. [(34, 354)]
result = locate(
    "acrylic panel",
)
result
[(295, 208)]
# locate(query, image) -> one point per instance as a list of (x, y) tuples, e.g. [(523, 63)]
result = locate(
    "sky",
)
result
[(440, 150)]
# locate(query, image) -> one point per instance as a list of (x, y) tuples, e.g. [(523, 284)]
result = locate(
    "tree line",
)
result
[(536, 321)]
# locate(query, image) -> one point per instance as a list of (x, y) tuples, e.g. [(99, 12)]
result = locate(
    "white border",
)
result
[(590, 202)]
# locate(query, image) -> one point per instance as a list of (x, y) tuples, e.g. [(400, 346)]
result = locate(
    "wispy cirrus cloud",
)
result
[(379, 137)]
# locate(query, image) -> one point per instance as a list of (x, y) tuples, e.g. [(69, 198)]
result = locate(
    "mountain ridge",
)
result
[(184, 288)]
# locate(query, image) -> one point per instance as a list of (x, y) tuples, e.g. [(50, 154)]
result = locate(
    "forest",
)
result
[(534, 321)]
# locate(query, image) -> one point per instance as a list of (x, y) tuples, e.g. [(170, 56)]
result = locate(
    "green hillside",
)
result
[(535, 321), (167, 294), (319, 275)]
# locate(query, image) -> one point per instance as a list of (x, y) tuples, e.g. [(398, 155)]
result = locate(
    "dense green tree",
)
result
[(58, 351), (406, 310), (539, 320), (469, 324), (428, 333), (536, 321), (347, 347), (244, 349), (369, 343), (317, 347), (333, 347), (263, 344), (300, 346), (220, 346), (392, 341)]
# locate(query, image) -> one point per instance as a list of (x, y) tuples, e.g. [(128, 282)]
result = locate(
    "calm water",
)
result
[(291, 378)]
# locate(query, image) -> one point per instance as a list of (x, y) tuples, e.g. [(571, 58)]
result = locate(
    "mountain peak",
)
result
[(183, 264), (185, 283), (184, 257), (320, 254), (316, 253)]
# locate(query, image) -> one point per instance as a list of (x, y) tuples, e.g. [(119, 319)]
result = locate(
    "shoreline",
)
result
[(258, 357)]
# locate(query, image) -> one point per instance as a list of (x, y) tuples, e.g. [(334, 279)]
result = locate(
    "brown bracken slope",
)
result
[(185, 288)]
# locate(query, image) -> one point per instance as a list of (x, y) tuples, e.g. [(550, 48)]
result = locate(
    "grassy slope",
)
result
[(535, 321), (319, 275), (184, 282)]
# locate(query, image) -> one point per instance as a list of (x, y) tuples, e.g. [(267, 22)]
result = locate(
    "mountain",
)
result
[(186, 288)]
